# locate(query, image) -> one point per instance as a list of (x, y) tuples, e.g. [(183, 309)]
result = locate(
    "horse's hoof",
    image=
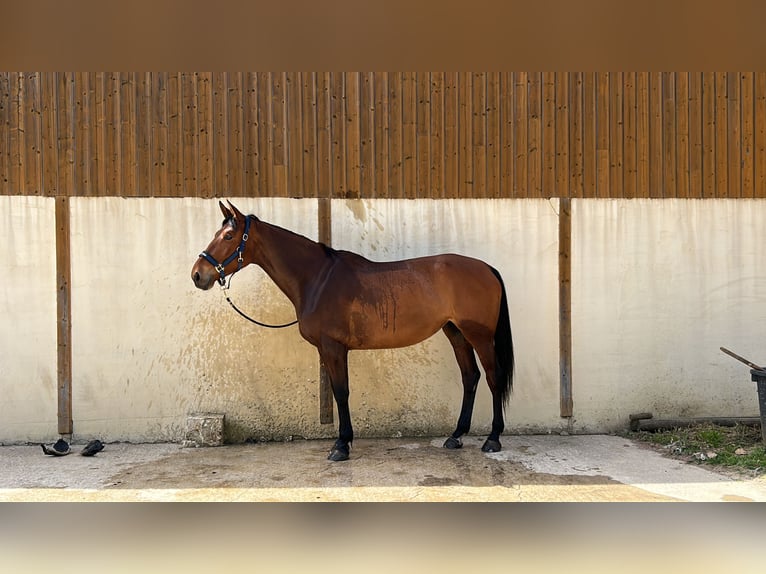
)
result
[(338, 454), (453, 442), (491, 446)]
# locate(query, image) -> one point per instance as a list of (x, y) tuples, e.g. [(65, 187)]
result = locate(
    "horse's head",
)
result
[(226, 253)]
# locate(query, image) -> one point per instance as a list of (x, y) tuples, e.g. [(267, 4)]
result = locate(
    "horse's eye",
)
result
[(227, 237)]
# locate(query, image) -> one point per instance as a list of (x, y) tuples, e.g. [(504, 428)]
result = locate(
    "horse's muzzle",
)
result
[(202, 281)]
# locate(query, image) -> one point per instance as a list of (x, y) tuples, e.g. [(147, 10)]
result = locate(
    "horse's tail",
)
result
[(503, 346)]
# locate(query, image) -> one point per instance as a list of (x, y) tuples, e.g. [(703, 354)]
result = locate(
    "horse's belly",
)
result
[(387, 327)]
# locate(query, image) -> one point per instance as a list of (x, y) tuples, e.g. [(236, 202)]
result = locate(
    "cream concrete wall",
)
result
[(657, 287), (28, 386)]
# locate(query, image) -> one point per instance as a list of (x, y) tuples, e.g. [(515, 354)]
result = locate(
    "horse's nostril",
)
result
[(196, 277)]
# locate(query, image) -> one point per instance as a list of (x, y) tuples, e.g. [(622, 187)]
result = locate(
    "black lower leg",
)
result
[(492, 444)]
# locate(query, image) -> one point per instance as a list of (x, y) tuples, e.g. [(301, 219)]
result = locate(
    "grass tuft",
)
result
[(739, 447)]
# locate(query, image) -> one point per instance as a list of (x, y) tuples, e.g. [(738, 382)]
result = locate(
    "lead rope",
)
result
[(225, 288)]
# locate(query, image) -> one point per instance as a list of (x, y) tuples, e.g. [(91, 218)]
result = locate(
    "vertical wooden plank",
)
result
[(616, 168), (5, 130), (436, 130), (265, 135), (309, 114), (367, 142), (353, 136), (64, 317), (521, 125), (451, 136), (143, 133), (382, 112), (423, 131), (83, 140), (15, 133), (190, 135), (534, 135), (220, 135), (98, 132), (409, 135), (250, 149), (66, 134), (565, 309), (721, 137), (669, 133), (508, 122), (656, 149), (602, 134), (338, 134), (324, 139), (493, 134), (279, 134), (708, 135), (235, 162), (748, 130), (33, 175), (160, 134), (550, 185), (295, 156), (175, 137), (114, 134), (575, 135), (642, 134), (562, 134), (759, 189), (465, 137), (682, 134), (479, 128), (128, 161), (695, 134), (630, 150), (396, 135), (589, 134), (205, 162), (734, 134), (251, 144), (49, 135)]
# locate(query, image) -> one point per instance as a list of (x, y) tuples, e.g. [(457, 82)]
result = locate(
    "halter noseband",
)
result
[(236, 255)]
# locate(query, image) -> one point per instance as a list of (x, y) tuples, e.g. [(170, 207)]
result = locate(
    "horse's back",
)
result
[(399, 303)]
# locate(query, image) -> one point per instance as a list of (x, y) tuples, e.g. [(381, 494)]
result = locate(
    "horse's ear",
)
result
[(237, 212), (227, 214)]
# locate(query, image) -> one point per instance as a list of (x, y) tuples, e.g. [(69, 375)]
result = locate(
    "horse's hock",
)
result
[(204, 429)]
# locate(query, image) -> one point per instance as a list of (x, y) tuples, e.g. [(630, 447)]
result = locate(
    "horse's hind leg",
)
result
[(483, 342), (469, 370)]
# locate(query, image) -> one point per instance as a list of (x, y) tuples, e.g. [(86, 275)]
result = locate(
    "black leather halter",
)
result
[(236, 255)]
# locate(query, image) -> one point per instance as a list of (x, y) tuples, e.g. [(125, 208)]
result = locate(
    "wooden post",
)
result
[(565, 308), (64, 316), (325, 391)]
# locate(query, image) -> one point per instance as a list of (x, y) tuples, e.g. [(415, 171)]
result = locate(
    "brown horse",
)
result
[(344, 301)]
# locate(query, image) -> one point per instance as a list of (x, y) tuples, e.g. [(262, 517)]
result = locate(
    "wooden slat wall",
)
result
[(399, 134)]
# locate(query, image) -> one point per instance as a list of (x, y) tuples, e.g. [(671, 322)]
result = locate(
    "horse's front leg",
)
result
[(335, 358)]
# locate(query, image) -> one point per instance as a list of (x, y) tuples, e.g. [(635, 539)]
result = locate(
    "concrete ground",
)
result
[(530, 468)]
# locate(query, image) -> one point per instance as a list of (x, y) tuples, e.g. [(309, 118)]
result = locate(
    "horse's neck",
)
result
[(291, 260)]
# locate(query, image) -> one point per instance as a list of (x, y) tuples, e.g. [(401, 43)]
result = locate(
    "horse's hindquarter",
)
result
[(368, 305)]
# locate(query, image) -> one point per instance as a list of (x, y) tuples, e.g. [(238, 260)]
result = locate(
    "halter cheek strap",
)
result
[(236, 255)]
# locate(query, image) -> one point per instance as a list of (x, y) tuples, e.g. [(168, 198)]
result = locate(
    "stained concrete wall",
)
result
[(657, 287)]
